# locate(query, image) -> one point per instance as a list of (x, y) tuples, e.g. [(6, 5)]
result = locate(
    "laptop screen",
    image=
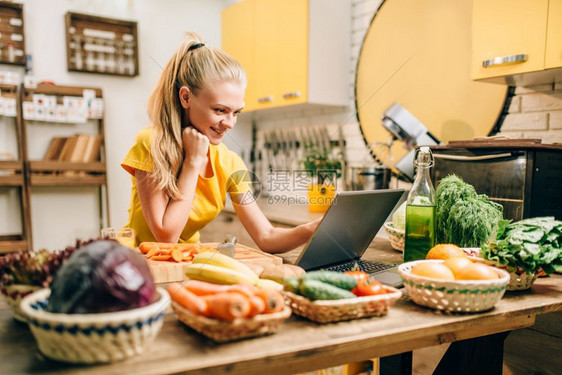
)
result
[(348, 227)]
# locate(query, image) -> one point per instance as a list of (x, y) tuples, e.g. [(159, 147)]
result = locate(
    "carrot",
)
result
[(227, 306), (257, 306), (187, 299), (145, 247), (162, 257), (246, 290), (157, 251), (203, 288), (177, 255), (273, 300), (187, 256)]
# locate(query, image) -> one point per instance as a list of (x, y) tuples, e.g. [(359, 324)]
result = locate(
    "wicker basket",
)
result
[(93, 338), (13, 294), (329, 311), (518, 279), (457, 295), (396, 236), (521, 281), (223, 331)]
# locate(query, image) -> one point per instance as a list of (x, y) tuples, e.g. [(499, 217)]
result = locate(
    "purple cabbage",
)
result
[(104, 276)]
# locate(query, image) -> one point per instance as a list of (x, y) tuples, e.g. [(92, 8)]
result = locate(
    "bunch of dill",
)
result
[(464, 218)]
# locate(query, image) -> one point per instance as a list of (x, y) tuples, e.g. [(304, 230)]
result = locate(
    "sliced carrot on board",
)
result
[(162, 257), (176, 255), (144, 247)]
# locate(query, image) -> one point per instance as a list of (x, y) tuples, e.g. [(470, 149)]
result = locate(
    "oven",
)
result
[(524, 177)]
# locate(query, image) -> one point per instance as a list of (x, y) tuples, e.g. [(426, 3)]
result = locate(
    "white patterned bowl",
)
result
[(93, 338), (454, 295), (13, 294)]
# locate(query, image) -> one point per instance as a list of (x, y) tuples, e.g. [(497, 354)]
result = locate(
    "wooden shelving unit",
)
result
[(12, 36), (13, 176), (101, 45), (49, 173)]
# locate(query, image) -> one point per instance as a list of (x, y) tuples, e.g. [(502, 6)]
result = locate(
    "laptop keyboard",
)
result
[(368, 266)]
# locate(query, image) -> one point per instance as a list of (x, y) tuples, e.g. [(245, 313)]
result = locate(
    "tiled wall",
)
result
[(535, 112)]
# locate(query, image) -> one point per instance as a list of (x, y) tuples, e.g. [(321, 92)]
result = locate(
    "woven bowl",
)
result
[(93, 338), (457, 295), (396, 236), (13, 294), (223, 331), (518, 279), (329, 311)]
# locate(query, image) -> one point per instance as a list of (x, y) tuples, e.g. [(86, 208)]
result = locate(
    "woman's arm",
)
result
[(265, 235), (167, 217)]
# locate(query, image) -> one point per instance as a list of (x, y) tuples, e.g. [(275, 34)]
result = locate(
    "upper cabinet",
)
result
[(518, 42), (293, 51), (553, 55)]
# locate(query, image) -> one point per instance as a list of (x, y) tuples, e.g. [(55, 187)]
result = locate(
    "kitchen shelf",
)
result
[(101, 45), (11, 173), (12, 176), (56, 173), (12, 39), (60, 172), (12, 243)]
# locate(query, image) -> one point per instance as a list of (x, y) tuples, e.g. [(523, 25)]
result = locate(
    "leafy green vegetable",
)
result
[(530, 244), (33, 267), (463, 217)]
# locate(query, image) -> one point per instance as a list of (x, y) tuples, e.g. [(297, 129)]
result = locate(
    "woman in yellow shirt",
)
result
[(181, 171)]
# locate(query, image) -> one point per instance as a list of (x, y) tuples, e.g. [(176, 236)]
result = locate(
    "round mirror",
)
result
[(417, 54)]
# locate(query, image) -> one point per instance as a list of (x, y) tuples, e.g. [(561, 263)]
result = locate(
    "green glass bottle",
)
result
[(420, 209)]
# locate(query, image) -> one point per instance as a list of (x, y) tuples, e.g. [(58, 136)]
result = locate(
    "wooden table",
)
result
[(300, 345)]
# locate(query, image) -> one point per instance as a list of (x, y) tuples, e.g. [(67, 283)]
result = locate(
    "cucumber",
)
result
[(292, 284), (318, 290), (339, 279)]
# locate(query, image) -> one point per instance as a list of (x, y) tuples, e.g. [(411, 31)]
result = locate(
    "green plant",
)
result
[(320, 163)]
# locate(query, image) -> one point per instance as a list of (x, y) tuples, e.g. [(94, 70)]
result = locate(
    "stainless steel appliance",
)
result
[(367, 178), (524, 176), (406, 127)]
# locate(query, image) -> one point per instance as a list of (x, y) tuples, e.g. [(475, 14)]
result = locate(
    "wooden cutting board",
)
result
[(170, 271)]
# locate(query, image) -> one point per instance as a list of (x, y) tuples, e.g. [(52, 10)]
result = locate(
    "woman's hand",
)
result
[(195, 147)]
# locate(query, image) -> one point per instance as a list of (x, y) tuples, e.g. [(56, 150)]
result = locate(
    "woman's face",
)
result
[(214, 110)]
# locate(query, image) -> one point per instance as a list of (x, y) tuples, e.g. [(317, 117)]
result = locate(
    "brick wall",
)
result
[(535, 112)]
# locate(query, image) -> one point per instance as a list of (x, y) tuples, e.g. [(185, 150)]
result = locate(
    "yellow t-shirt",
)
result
[(229, 176)]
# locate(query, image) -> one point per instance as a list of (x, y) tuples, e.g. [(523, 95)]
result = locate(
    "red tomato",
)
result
[(360, 276), (368, 287)]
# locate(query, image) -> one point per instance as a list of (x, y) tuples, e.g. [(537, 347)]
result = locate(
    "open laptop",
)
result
[(346, 231)]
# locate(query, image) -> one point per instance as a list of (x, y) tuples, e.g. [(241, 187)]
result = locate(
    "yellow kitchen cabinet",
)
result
[(517, 42), (293, 51), (553, 55)]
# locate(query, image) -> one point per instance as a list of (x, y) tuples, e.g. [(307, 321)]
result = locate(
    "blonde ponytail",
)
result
[(194, 68)]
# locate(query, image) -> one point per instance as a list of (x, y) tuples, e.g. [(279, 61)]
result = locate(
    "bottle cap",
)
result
[(423, 157)]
